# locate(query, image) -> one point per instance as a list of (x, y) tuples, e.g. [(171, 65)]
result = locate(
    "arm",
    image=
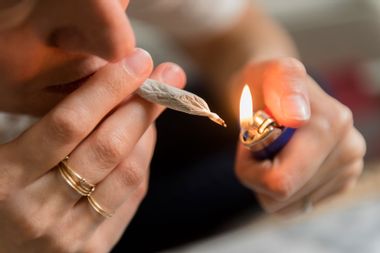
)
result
[(325, 156), (254, 37)]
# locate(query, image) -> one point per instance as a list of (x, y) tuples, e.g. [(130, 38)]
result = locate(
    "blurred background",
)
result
[(340, 41)]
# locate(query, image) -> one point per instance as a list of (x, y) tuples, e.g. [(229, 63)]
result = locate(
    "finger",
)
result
[(341, 182), (289, 171), (303, 155), (133, 119), (285, 92), (349, 150), (61, 130), (130, 176), (107, 146), (109, 232), (131, 172), (348, 173), (87, 236), (118, 194)]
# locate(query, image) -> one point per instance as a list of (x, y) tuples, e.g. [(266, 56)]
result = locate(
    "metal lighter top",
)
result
[(265, 137), (260, 133)]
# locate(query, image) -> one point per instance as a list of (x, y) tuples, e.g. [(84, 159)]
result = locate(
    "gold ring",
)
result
[(98, 208), (78, 183)]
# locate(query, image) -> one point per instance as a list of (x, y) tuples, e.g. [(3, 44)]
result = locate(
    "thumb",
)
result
[(285, 92)]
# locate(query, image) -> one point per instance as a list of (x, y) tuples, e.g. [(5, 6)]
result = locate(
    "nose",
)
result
[(95, 27)]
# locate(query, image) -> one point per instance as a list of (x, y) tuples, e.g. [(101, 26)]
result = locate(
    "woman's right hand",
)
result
[(109, 134)]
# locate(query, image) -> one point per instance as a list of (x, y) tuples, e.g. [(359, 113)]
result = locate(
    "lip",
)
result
[(69, 87)]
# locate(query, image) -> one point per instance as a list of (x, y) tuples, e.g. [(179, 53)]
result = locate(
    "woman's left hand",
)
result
[(325, 155)]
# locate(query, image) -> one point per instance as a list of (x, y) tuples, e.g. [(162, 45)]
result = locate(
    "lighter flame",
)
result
[(246, 111)]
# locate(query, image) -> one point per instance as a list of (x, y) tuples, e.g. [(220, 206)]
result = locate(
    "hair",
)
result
[(13, 15)]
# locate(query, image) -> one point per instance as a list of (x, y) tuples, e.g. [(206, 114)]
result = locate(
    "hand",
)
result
[(110, 137), (324, 157)]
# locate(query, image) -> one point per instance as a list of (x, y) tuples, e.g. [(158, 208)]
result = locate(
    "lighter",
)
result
[(260, 133)]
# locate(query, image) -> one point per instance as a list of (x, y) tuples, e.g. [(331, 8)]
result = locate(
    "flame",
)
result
[(246, 110)]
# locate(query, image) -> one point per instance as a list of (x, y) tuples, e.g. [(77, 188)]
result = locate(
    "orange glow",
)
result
[(246, 110)]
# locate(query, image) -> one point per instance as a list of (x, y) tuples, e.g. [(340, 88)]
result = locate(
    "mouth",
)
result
[(65, 88)]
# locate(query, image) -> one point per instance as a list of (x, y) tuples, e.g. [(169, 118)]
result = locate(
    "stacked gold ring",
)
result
[(81, 186), (98, 208), (78, 183)]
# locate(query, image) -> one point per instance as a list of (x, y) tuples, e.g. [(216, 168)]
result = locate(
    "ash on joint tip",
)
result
[(215, 117)]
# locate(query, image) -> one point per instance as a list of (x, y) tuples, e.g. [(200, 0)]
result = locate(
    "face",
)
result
[(49, 47)]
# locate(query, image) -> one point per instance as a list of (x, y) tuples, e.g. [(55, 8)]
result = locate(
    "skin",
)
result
[(109, 133), (325, 156), (102, 125)]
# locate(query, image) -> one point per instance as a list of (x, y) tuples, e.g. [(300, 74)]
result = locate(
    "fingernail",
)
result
[(137, 62), (295, 107), (171, 74)]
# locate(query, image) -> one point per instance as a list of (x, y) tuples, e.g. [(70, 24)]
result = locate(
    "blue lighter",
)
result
[(260, 133)]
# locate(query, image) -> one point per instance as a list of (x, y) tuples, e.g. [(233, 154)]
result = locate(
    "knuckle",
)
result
[(342, 118), (66, 124), (359, 146), (354, 171), (108, 150), (322, 125), (353, 148), (132, 174), (337, 120), (279, 187), (347, 186), (288, 65), (31, 228), (142, 190), (353, 154)]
